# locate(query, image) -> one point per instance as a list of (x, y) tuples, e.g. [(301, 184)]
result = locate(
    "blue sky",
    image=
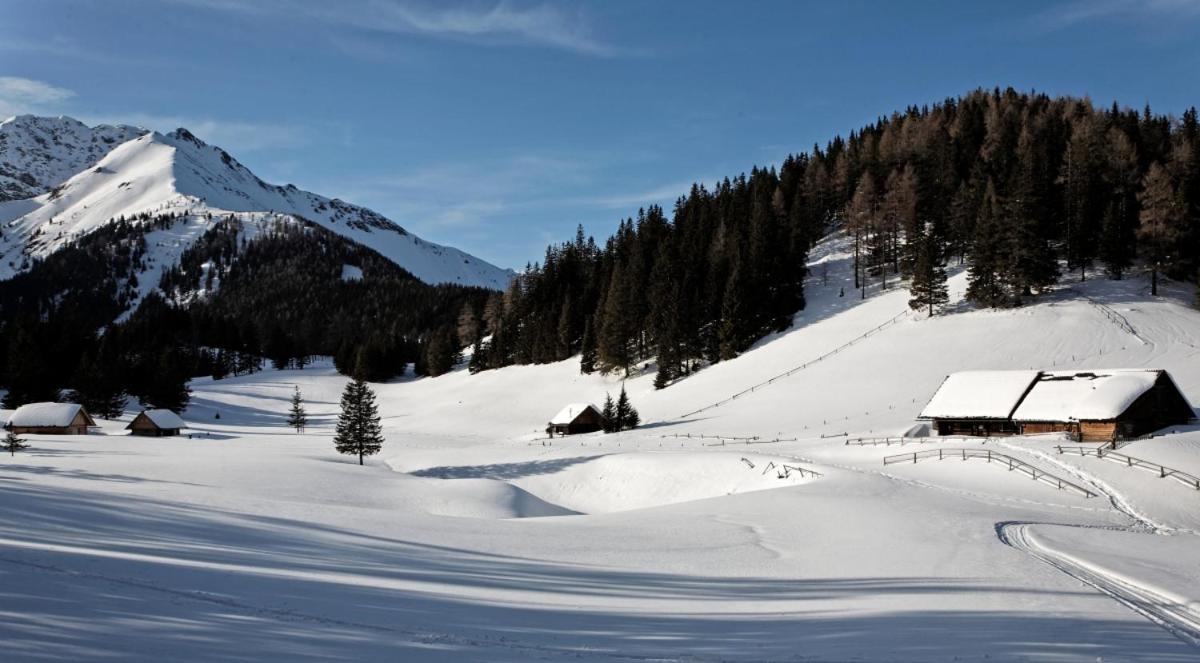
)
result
[(498, 126)]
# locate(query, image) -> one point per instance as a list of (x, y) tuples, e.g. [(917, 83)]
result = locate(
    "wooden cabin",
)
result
[(1097, 405), (978, 403), (576, 418), (156, 423), (1103, 405), (50, 419)]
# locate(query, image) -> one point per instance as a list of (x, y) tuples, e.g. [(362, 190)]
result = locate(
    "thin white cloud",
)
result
[(500, 22), (25, 95), (1083, 11)]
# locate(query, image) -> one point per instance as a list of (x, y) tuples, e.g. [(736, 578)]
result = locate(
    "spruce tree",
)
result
[(479, 360), (626, 415), (989, 256), (928, 286), (13, 444), (609, 414), (297, 417), (588, 357), (358, 431)]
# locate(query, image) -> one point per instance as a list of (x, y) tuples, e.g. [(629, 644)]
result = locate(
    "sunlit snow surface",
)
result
[(473, 537)]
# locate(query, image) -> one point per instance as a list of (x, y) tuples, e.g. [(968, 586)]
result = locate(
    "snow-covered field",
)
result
[(472, 537)]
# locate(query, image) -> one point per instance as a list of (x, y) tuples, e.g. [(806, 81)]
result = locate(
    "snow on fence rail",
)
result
[(989, 455), (797, 369), (1129, 461)]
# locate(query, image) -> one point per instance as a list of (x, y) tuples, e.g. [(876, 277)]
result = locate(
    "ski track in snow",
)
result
[(1173, 616)]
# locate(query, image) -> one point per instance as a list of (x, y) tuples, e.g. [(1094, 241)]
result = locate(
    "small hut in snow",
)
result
[(156, 423), (576, 418), (50, 419)]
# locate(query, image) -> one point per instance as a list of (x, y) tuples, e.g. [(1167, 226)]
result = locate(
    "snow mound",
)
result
[(627, 481), (489, 499)]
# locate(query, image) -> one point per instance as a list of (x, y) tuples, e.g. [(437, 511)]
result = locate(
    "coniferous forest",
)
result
[(1018, 187), (1022, 189)]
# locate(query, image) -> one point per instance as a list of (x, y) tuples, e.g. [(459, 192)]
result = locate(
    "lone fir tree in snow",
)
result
[(609, 414), (358, 430), (297, 417), (13, 444), (627, 415)]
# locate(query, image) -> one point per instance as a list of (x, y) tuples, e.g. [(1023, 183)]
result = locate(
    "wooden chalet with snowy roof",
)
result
[(156, 423), (1096, 405), (576, 418), (50, 419)]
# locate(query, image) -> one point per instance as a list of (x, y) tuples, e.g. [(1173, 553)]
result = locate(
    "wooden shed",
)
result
[(1101, 405), (156, 423), (576, 418), (50, 419), (1096, 405), (978, 403)]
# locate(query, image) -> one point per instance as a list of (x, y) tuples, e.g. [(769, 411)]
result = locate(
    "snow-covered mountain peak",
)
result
[(179, 173), (39, 153)]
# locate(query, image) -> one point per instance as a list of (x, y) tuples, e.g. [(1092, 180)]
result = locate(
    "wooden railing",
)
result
[(784, 471), (1162, 471), (801, 367), (1013, 464)]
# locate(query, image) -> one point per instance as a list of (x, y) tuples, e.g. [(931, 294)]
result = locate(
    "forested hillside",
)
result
[(1017, 186), (287, 293)]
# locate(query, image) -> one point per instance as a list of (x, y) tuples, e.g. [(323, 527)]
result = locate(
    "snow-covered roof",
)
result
[(979, 395), (570, 412), (1084, 394), (165, 419), (44, 414)]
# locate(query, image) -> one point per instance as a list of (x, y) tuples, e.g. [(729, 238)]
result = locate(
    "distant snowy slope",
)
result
[(178, 173), (39, 153)]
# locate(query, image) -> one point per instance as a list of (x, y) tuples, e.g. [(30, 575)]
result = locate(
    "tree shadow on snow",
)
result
[(116, 577), (503, 471)]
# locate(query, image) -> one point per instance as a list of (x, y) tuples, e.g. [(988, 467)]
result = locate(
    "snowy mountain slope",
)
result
[(178, 173), (473, 537), (39, 153)]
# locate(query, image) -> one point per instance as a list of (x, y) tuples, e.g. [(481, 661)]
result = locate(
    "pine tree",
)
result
[(479, 359), (626, 415), (588, 356), (297, 418), (13, 444), (989, 256), (358, 431), (928, 287), (609, 414), (1116, 242)]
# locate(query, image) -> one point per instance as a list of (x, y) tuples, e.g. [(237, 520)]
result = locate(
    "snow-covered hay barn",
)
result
[(1092, 405), (1101, 405), (978, 402), (156, 423), (50, 419), (576, 418)]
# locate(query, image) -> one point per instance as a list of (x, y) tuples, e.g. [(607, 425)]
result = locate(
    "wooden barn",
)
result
[(576, 418), (50, 419), (1102, 405), (979, 403), (1097, 405), (156, 423)]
